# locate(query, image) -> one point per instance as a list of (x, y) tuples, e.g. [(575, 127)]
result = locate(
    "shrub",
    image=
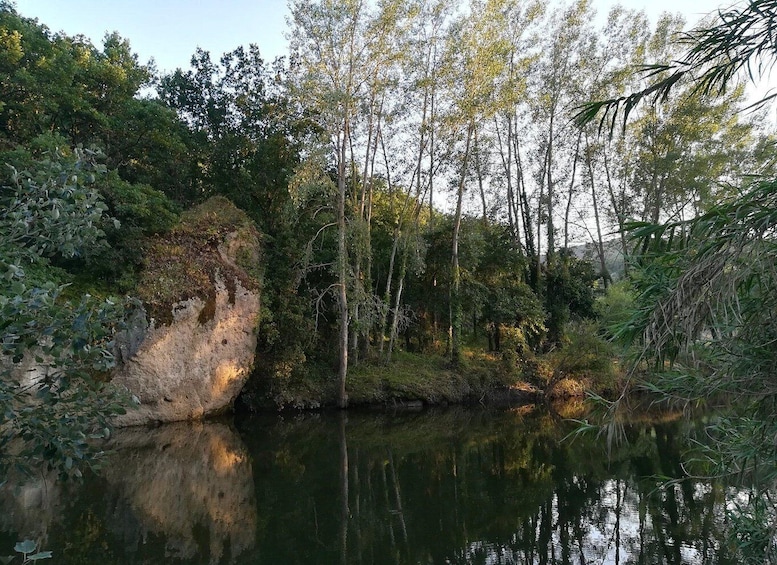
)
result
[(586, 355), (48, 417), (615, 308)]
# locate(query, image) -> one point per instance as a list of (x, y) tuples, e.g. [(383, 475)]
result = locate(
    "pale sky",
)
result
[(170, 30)]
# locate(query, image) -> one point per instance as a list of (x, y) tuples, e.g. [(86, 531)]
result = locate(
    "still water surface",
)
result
[(442, 486)]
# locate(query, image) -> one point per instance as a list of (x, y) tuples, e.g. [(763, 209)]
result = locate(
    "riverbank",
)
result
[(483, 377), (428, 379)]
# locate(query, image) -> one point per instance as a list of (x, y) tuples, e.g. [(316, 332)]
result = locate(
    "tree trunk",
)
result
[(342, 272), (523, 202), (395, 319), (594, 202), (571, 193), (618, 210), (431, 146), (551, 195), (455, 300), (478, 167), (507, 165)]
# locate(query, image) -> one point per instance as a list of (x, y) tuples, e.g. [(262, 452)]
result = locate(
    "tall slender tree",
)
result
[(327, 46)]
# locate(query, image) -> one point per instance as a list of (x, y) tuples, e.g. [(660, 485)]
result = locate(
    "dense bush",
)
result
[(52, 350), (614, 308)]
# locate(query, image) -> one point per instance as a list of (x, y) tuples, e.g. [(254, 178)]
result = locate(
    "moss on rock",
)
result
[(212, 239)]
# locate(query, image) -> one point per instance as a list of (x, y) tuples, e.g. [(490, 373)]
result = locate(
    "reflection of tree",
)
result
[(454, 486), (344, 510), (468, 487)]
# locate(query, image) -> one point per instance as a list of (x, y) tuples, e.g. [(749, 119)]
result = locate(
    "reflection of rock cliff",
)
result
[(192, 485), (200, 287)]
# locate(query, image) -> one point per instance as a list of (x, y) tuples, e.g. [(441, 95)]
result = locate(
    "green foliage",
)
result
[(753, 526), (286, 379), (586, 355), (232, 127), (138, 206), (137, 210), (568, 293), (285, 373), (61, 84), (51, 212), (495, 295), (67, 92), (739, 41), (615, 307), (519, 361), (142, 212), (52, 350), (741, 446), (709, 281), (705, 305), (148, 144), (245, 129), (494, 285)]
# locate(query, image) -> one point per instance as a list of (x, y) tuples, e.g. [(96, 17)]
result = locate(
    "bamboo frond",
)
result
[(744, 40)]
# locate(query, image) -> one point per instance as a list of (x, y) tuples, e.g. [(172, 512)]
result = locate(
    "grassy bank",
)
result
[(584, 363), (428, 378)]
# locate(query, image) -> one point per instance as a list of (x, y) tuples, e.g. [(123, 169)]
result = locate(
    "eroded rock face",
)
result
[(197, 365), (190, 351)]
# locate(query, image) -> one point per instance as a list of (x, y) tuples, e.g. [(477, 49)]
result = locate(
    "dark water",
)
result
[(448, 486)]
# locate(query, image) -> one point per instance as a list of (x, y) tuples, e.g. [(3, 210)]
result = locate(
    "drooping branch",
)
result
[(743, 39)]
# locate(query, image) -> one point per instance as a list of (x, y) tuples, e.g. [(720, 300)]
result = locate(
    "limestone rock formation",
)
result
[(187, 370), (200, 290)]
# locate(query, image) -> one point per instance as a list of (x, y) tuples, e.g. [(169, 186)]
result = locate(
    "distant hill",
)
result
[(613, 256)]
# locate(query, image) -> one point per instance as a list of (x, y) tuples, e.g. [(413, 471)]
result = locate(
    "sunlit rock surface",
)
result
[(188, 484), (191, 349), (189, 369)]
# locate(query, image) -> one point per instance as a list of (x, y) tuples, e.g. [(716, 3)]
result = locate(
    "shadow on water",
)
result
[(438, 486)]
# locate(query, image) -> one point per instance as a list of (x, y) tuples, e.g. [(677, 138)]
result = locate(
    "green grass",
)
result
[(425, 377), (585, 363)]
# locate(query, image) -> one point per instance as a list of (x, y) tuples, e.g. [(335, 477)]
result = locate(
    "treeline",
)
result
[(413, 166), (474, 104)]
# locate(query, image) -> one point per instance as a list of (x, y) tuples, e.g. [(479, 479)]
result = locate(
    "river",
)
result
[(449, 485)]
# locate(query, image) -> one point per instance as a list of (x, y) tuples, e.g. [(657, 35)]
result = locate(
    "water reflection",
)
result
[(478, 487), (181, 492), (453, 486), (31, 505), (189, 484)]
